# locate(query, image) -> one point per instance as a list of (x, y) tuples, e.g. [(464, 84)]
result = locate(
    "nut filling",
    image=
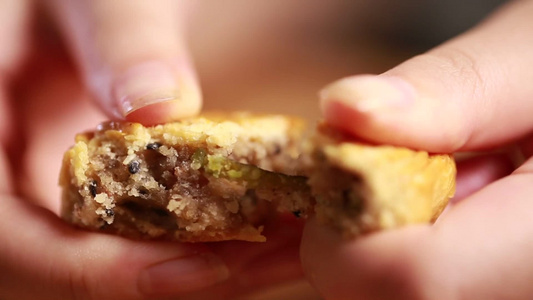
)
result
[(142, 183), (223, 177)]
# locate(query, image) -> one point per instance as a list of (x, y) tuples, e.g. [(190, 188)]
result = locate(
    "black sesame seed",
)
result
[(134, 167), (153, 146), (297, 213), (92, 187), (109, 212)]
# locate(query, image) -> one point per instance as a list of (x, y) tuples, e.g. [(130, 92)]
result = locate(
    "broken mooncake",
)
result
[(221, 177)]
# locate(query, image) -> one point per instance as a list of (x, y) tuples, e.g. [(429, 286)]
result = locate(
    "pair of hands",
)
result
[(472, 93)]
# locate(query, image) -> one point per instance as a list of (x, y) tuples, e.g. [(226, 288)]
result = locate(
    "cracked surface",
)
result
[(223, 177), (203, 179)]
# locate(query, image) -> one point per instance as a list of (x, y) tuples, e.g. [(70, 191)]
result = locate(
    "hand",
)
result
[(43, 102), (133, 56), (472, 93)]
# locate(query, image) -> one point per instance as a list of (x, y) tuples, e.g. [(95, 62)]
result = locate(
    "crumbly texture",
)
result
[(201, 179), (361, 188), (221, 177)]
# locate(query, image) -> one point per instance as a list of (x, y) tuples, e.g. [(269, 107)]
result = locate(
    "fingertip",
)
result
[(156, 92), (342, 116), (389, 109), (363, 105), (369, 93), (135, 56), (162, 112)]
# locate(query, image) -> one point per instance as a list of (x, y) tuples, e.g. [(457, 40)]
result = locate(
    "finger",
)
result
[(14, 27), (133, 56), (6, 184), (479, 250), (41, 258), (252, 266), (472, 92), (255, 267), (476, 172), (14, 33)]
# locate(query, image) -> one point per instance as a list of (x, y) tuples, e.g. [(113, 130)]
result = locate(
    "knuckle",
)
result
[(462, 68), (81, 282), (459, 81), (76, 284), (65, 283)]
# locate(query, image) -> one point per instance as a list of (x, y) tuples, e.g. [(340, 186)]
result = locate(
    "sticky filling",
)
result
[(171, 190)]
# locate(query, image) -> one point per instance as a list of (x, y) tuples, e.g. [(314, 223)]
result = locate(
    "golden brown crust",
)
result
[(389, 186)]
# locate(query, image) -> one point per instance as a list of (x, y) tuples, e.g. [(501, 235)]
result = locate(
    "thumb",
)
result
[(133, 56), (470, 93)]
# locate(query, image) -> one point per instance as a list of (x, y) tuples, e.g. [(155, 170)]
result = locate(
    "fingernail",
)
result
[(145, 84), (182, 275), (367, 93)]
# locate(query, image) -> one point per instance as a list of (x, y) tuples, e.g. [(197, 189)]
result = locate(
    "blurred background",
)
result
[(275, 55), (268, 56)]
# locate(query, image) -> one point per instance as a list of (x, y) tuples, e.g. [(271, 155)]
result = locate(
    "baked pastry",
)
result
[(360, 188), (200, 179), (221, 177)]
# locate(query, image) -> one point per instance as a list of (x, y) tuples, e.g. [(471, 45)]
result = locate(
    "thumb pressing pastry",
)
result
[(221, 177), (359, 188)]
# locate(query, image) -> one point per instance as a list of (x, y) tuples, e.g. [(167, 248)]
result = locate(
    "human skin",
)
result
[(468, 94), (44, 101)]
